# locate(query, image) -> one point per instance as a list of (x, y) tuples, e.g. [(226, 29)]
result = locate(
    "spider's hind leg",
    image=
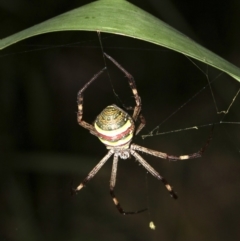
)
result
[(93, 172), (112, 185), (154, 173)]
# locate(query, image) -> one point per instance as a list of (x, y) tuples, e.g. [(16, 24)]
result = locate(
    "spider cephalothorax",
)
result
[(116, 129)]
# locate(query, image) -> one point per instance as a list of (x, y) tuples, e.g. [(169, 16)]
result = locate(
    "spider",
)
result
[(115, 128)]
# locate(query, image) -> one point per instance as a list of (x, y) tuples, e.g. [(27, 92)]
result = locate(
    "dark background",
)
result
[(44, 152)]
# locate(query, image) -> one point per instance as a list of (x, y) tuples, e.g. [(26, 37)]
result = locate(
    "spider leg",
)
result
[(132, 84), (171, 157), (80, 104), (112, 185), (154, 173), (142, 123), (94, 171), (142, 120)]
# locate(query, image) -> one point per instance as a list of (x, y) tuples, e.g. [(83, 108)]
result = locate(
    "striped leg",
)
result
[(142, 124), (112, 185), (171, 157), (94, 171), (140, 117), (80, 104), (132, 84), (154, 173)]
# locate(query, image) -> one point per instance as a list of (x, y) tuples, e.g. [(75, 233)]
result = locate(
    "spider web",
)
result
[(222, 113), (161, 123), (224, 116)]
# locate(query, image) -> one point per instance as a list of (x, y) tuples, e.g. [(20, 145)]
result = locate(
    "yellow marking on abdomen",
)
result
[(113, 132)]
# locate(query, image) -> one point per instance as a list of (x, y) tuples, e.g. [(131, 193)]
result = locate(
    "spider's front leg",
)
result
[(132, 84), (112, 185), (140, 117), (138, 106), (80, 104)]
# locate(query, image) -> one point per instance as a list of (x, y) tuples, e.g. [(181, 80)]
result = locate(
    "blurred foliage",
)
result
[(44, 152)]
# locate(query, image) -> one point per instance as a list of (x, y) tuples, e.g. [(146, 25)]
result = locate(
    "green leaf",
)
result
[(123, 18)]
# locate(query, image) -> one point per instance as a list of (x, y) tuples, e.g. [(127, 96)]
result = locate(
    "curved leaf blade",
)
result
[(123, 18)]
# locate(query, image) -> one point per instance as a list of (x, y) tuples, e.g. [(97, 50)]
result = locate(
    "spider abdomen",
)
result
[(114, 126)]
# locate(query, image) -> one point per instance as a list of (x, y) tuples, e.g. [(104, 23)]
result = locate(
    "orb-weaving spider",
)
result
[(116, 129)]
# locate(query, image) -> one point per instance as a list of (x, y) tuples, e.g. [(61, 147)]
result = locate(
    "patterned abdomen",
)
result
[(114, 126)]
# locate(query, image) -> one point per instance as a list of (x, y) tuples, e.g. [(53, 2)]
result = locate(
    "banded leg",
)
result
[(94, 171), (132, 84), (171, 157), (112, 185), (154, 173), (142, 120), (142, 124), (80, 104)]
